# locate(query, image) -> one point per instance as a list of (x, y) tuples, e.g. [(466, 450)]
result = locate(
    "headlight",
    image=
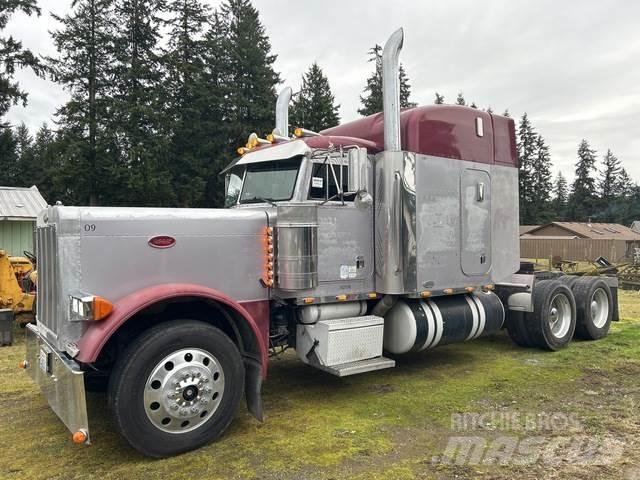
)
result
[(85, 307)]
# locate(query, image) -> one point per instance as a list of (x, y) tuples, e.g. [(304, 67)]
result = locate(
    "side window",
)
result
[(323, 185)]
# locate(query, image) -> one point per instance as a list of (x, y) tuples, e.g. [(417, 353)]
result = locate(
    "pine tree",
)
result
[(372, 99), (489, 110), (582, 200), (561, 194), (13, 56), (506, 113), (541, 184), (83, 67), (609, 177), (8, 157), (137, 119), (439, 100), (314, 107), (186, 99), (527, 146), (624, 186), (460, 99), (252, 78)]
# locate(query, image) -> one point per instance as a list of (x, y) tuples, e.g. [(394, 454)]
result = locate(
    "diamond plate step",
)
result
[(360, 366)]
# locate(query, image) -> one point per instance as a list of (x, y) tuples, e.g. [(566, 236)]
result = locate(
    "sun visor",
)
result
[(281, 151)]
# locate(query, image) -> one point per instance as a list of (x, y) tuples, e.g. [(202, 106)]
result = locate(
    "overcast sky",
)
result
[(574, 66)]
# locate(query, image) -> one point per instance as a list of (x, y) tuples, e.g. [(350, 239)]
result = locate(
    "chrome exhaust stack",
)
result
[(282, 112), (391, 90)]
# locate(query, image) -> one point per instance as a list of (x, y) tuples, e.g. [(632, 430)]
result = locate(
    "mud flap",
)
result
[(253, 387)]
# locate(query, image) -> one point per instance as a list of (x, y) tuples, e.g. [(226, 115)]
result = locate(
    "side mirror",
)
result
[(358, 170)]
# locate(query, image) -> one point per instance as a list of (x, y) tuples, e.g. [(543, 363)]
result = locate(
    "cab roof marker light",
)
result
[(303, 132)]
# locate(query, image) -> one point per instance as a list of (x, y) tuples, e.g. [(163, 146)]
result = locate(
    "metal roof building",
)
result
[(19, 208)]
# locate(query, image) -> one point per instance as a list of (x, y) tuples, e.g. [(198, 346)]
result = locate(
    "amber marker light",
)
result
[(470, 289), (242, 150), (23, 364), (298, 132), (373, 295), (490, 287), (79, 437), (425, 294), (307, 300), (341, 298), (101, 308), (448, 291)]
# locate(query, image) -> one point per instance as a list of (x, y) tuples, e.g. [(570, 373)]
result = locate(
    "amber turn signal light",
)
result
[(23, 364), (79, 437), (101, 308)]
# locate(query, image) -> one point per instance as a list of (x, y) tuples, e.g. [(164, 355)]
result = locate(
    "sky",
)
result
[(573, 66)]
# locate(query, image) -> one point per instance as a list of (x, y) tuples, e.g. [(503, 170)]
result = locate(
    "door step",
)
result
[(359, 366)]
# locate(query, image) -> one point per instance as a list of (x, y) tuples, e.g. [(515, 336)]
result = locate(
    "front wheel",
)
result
[(176, 387)]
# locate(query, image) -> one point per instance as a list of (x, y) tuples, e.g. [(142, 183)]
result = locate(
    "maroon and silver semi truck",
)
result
[(390, 234)]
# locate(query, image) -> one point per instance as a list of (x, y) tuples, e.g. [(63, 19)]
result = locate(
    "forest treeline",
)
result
[(162, 92)]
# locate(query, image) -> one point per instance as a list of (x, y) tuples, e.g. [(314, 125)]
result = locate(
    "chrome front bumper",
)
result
[(60, 379)]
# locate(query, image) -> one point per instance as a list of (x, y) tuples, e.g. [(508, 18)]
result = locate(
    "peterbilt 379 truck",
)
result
[(390, 234)]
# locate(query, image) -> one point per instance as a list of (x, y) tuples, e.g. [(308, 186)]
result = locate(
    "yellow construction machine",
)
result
[(18, 279)]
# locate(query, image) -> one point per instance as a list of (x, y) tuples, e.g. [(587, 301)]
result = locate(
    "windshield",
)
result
[(265, 181)]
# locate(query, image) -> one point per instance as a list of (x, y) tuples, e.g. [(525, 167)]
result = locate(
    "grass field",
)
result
[(393, 424)]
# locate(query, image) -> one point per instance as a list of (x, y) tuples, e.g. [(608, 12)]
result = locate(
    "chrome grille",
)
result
[(48, 283)]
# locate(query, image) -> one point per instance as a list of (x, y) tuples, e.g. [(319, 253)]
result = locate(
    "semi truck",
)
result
[(390, 234)]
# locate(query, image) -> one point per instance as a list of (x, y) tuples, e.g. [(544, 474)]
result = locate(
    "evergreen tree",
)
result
[(624, 186), (83, 66), (138, 96), (314, 107), (8, 157), (561, 194), (489, 110), (372, 100), (13, 56), (541, 184), (251, 76), (506, 113), (582, 200), (460, 99), (439, 99), (526, 146), (608, 183), (185, 96)]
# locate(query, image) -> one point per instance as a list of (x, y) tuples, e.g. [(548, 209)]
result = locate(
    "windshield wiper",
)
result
[(260, 199)]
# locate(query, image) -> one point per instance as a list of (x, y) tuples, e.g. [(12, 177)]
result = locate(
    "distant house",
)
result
[(19, 208), (598, 231), (580, 241), (635, 226), (527, 228)]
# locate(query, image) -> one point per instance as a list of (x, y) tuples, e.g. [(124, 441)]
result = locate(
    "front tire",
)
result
[(176, 387)]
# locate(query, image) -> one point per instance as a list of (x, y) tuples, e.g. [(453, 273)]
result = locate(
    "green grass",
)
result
[(386, 425)]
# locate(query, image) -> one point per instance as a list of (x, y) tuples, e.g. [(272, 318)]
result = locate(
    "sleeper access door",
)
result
[(475, 242)]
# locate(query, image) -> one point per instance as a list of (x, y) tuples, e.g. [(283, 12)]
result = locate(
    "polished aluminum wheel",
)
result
[(560, 315), (599, 308), (184, 390)]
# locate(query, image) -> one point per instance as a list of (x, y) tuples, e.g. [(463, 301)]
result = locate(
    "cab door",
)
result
[(345, 234)]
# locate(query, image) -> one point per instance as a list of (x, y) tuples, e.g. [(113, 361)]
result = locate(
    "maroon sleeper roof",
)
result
[(443, 131)]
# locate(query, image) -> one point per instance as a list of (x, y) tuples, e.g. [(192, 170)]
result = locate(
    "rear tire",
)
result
[(176, 387), (594, 305), (553, 321), (517, 330)]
